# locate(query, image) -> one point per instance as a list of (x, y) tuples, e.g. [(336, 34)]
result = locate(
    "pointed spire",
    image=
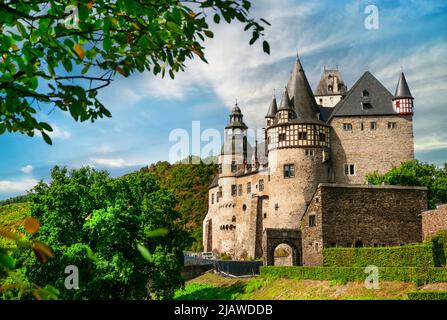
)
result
[(285, 101), (273, 108), (302, 97), (402, 89)]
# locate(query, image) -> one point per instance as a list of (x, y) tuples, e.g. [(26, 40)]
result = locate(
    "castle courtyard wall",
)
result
[(434, 221)]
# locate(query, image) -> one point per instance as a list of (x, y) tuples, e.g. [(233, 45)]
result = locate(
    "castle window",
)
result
[(321, 101), (268, 122), (373, 125), (330, 88), (233, 190), (398, 202), (351, 200), (244, 207), (265, 215), (316, 246), (365, 93), (233, 219), (317, 200), (276, 206), (302, 135), (362, 127), (392, 125), (366, 105), (322, 136), (358, 244), (282, 137), (312, 220), (212, 198), (349, 169), (233, 166), (248, 187), (289, 170), (261, 185), (347, 126), (239, 190), (309, 152)]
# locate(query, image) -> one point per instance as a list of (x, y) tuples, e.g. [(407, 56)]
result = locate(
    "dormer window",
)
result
[(365, 93), (366, 105)]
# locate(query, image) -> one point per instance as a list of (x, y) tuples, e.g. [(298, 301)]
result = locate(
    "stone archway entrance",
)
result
[(272, 238)]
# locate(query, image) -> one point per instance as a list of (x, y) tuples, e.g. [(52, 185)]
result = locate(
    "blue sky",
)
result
[(412, 35)]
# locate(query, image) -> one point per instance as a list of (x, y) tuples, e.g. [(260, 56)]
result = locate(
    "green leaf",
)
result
[(157, 233), (6, 261), (46, 126), (144, 252), (209, 33), (21, 29), (107, 44), (216, 18), (266, 47), (46, 138)]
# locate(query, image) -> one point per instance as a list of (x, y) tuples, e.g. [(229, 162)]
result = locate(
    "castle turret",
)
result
[(271, 113), (298, 143), (285, 112), (403, 100), (331, 88)]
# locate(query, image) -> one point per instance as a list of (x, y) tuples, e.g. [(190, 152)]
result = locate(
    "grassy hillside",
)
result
[(11, 217), (211, 286), (190, 183)]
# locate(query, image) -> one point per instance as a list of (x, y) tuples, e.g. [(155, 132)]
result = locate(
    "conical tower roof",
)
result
[(285, 101), (236, 119), (272, 109), (301, 94), (402, 89)]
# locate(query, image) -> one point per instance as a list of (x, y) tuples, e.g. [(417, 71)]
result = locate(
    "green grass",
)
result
[(214, 287)]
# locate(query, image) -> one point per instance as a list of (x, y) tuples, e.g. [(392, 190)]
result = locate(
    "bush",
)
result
[(439, 247), (409, 274), (419, 255), (427, 295)]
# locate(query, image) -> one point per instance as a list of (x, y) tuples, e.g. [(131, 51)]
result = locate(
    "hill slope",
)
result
[(190, 184)]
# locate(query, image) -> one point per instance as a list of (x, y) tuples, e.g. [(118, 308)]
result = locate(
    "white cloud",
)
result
[(430, 143), (113, 162), (58, 133), (17, 186), (27, 169)]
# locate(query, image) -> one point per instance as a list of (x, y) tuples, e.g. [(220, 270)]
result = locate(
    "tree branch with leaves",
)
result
[(59, 54)]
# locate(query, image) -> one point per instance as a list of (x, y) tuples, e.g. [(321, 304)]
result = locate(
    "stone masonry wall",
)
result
[(434, 221), (370, 150), (374, 215)]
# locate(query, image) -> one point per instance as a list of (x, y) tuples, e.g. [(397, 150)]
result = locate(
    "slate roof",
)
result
[(325, 113), (301, 96), (379, 99), (272, 109), (328, 78), (402, 89), (285, 101)]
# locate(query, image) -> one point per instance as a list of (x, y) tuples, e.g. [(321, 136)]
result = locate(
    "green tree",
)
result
[(98, 224), (189, 182), (416, 173), (58, 54)]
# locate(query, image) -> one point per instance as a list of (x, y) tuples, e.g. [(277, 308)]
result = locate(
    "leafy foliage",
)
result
[(416, 173), (60, 53), (427, 295), (345, 274), (95, 223), (189, 182)]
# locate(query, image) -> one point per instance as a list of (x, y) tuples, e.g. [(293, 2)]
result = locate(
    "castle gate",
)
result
[(274, 237)]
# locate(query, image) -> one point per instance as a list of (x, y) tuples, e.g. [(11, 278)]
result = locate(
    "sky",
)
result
[(411, 36)]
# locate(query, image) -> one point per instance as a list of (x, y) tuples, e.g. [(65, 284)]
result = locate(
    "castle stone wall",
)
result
[(434, 221), (370, 150)]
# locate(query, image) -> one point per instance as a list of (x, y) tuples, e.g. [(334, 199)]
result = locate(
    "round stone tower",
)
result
[(298, 149)]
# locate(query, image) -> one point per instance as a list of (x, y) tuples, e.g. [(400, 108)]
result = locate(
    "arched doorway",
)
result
[(358, 244), (283, 255), (282, 238)]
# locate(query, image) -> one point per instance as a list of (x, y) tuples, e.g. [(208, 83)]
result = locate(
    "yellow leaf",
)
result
[(121, 70), (14, 47), (136, 26), (79, 50), (42, 251), (90, 4), (31, 225), (9, 235)]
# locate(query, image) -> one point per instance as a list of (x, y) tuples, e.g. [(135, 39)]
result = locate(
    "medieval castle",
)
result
[(304, 186)]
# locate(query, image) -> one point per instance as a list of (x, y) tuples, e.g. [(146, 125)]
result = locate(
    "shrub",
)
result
[(410, 274), (419, 255), (427, 295)]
